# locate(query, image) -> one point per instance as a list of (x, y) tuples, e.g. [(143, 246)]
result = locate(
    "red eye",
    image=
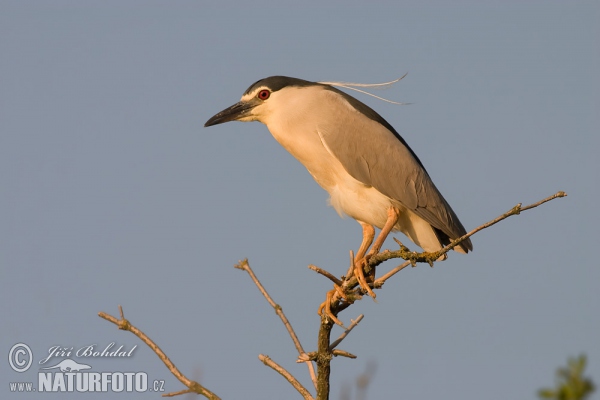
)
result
[(264, 94)]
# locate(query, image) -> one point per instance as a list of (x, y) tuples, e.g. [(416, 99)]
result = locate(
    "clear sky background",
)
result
[(112, 192)]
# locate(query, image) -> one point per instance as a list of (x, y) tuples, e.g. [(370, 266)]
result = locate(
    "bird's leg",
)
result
[(393, 216), (360, 261), (368, 235), (392, 220)]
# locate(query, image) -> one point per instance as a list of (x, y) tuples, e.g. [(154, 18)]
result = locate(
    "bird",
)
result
[(368, 169)]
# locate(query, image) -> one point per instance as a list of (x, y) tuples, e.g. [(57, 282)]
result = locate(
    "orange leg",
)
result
[(393, 216), (361, 259), (360, 276), (368, 235)]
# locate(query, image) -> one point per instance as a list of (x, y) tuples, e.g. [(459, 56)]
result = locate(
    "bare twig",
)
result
[(173, 394), (516, 210), (326, 274), (346, 332), (312, 356), (192, 386), (245, 266), (351, 268), (381, 280), (342, 353), (430, 258), (547, 199), (289, 377)]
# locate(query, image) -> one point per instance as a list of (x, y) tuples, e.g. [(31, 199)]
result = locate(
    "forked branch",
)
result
[(245, 266), (192, 386)]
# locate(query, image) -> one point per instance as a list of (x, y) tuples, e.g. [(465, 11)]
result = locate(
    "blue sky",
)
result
[(112, 192)]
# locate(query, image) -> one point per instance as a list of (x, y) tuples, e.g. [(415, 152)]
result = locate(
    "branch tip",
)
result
[(342, 353), (242, 264), (326, 274)]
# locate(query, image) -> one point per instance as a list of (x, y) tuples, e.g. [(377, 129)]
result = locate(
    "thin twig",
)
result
[(516, 210), (289, 377), (245, 266), (173, 394), (326, 274), (547, 199), (351, 268), (381, 280), (342, 353), (192, 386), (346, 332), (434, 256), (304, 357)]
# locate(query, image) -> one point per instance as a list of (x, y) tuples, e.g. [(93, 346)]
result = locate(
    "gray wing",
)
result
[(372, 152)]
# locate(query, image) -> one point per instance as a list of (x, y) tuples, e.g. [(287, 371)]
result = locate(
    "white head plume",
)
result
[(354, 86)]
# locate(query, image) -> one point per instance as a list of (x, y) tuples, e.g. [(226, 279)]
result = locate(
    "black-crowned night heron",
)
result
[(357, 156)]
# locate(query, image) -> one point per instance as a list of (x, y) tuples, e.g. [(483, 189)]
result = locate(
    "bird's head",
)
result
[(263, 99)]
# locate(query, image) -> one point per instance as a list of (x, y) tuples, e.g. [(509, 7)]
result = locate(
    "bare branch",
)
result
[(342, 353), (173, 394), (324, 356), (351, 268), (381, 280), (192, 386), (326, 274), (430, 258), (547, 199), (289, 377), (245, 266), (346, 332), (516, 210)]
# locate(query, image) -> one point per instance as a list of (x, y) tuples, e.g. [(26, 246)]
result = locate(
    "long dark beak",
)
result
[(235, 112)]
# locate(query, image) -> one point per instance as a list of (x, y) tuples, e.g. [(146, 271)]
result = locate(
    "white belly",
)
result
[(364, 203)]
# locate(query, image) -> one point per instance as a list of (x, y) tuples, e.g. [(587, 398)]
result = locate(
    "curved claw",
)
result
[(326, 307), (360, 276)]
